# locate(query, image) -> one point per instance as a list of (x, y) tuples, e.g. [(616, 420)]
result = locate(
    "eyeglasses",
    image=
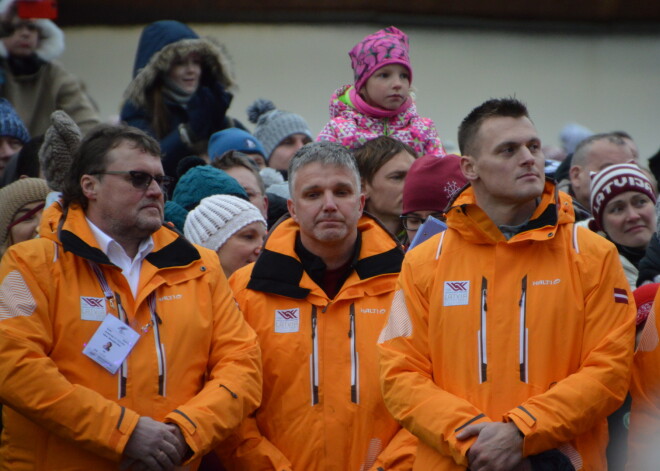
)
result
[(412, 222), (142, 180)]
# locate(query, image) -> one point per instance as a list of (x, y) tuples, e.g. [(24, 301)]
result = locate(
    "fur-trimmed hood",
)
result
[(51, 42), (163, 42)]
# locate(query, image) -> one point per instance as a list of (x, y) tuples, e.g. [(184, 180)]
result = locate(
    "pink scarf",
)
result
[(372, 111)]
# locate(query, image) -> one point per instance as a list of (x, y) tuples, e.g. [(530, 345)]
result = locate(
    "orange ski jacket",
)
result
[(197, 363), (537, 330), (322, 407), (644, 436)]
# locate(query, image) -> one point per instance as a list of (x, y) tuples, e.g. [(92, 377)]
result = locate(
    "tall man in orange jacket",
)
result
[(318, 297), (120, 342), (511, 334)]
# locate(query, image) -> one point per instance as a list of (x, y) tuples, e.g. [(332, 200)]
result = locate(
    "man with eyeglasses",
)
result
[(184, 368), (511, 334)]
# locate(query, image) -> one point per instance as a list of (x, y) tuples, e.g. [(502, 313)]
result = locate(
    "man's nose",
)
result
[(329, 203)]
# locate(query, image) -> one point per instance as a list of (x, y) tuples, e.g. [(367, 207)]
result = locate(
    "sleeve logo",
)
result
[(620, 296), (456, 293)]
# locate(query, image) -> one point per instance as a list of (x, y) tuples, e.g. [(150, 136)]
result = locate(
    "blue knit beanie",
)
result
[(10, 124), (195, 185), (234, 139)]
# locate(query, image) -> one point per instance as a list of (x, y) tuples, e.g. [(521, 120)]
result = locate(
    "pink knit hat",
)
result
[(611, 182), (384, 47), (432, 182)]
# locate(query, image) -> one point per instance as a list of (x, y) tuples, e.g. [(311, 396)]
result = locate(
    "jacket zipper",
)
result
[(123, 370), (483, 357), (522, 355), (160, 353), (355, 359), (314, 361)]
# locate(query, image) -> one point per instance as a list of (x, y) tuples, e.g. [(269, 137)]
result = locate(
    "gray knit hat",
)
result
[(273, 125), (61, 141), (10, 123), (16, 195), (219, 217)]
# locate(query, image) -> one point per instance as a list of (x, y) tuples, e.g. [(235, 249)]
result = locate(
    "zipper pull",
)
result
[(351, 322)]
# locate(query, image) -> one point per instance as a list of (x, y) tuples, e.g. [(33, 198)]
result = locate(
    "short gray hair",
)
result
[(584, 146), (325, 153)]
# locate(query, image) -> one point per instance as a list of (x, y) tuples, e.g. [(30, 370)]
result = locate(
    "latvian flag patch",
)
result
[(620, 296)]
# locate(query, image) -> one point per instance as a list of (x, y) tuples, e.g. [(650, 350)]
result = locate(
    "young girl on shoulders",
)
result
[(379, 104)]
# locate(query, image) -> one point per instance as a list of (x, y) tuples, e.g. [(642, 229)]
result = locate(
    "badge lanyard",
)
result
[(111, 296)]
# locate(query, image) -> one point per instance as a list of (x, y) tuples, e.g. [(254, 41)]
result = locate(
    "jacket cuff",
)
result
[(127, 422), (189, 430), (525, 421)]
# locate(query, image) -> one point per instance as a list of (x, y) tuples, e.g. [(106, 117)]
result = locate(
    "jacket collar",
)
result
[(70, 229), (278, 270), (465, 216)]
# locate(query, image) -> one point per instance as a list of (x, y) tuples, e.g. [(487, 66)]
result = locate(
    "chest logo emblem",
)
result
[(92, 309), (287, 320), (456, 293)]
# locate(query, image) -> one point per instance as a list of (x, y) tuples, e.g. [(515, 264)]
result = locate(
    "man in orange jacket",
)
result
[(120, 341), (511, 334), (318, 297)]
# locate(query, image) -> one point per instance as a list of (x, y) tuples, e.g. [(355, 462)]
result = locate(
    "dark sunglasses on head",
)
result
[(142, 180)]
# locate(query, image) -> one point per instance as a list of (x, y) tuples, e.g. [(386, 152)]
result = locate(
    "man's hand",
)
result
[(498, 446), (154, 446)]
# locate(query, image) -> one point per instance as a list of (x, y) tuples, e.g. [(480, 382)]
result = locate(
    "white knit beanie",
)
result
[(219, 217)]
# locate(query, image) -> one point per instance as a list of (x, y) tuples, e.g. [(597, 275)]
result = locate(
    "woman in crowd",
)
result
[(430, 185), (384, 163), (180, 90), (21, 205), (231, 226), (623, 207)]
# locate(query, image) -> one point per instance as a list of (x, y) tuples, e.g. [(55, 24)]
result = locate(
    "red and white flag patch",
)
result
[(620, 296)]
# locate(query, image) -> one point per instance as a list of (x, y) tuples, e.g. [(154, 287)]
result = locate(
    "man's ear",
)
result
[(574, 174), (88, 184), (290, 205), (469, 168)]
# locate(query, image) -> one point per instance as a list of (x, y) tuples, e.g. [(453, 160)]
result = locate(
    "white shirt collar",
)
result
[(130, 268), (105, 241)]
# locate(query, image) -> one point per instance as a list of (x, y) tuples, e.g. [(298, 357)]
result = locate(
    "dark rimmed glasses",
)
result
[(142, 180), (412, 222)]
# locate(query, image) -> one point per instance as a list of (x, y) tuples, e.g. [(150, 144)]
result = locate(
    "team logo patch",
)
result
[(287, 320), (456, 293), (92, 309), (620, 296)]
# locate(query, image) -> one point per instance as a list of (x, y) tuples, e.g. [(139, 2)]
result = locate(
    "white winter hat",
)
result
[(219, 217)]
